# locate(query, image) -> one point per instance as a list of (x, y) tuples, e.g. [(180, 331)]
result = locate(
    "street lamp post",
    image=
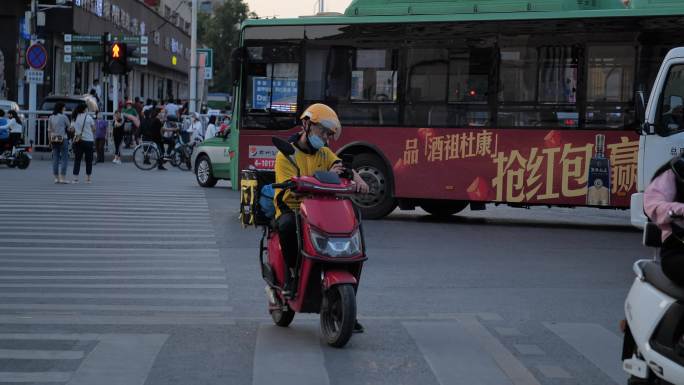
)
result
[(193, 58)]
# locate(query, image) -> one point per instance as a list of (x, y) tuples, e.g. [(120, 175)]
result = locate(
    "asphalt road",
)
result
[(146, 278)]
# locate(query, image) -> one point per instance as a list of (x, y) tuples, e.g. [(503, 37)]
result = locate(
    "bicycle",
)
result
[(146, 156), (181, 154)]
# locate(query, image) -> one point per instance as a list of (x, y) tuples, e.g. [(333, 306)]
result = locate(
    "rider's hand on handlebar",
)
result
[(361, 185), (337, 168)]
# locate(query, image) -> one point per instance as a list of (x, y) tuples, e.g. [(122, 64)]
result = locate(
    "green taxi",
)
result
[(211, 160)]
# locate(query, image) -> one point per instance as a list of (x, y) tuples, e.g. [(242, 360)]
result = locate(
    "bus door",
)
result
[(664, 137)]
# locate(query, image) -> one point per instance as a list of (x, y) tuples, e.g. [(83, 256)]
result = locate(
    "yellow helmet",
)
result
[(320, 113)]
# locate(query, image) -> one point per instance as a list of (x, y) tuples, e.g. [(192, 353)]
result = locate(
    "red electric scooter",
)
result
[(331, 254)]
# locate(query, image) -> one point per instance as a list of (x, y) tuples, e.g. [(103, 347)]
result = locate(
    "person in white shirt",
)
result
[(196, 131), (171, 111), (212, 131), (15, 128)]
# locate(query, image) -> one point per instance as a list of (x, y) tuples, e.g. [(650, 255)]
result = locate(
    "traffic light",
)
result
[(116, 58)]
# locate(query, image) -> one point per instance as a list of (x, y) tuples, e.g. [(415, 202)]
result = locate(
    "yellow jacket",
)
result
[(321, 160)]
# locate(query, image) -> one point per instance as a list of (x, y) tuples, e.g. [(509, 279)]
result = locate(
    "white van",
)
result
[(662, 133)]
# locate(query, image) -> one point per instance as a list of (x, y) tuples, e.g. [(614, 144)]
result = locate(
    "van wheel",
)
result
[(379, 201), (443, 208), (203, 172)]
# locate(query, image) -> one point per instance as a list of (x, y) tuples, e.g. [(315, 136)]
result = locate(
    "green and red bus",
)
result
[(449, 104)]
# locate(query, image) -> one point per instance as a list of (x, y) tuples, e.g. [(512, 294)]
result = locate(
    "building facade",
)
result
[(165, 76)]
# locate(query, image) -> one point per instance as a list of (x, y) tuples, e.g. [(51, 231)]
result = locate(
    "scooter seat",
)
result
[(653, 273)]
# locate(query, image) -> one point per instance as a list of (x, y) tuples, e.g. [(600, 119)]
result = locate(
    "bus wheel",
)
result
[(379, 202), (443, 208)]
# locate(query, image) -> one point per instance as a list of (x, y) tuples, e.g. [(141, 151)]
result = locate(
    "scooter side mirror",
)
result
[(283, 146), (286, 149)]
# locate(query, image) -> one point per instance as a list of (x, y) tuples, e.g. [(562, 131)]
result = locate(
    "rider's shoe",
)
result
[(288, 288), (358, 328), (160, 167)]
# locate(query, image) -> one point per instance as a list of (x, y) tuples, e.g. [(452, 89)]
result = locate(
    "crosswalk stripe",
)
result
[(454, 355), (273, 357), (113, 262), (33, 377), (51, 209), (123, 229), (159, 277), (115, 286), (118, 269), (121, 250), (120, 308), (21, 354), (124, 360), (80, 319), (90, 242), (97, 236), (596, 344), (126, 296)]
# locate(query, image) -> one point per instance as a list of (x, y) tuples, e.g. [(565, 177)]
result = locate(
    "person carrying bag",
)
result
[(58, 126), (83, 142)]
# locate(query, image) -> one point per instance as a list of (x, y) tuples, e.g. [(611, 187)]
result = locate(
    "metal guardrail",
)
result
[(36, 126)]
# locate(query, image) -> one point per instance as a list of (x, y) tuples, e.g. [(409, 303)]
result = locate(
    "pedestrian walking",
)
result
[(58, 126), (100, 137), (84, 137), (118, 134), (132, 125), (153, 127)]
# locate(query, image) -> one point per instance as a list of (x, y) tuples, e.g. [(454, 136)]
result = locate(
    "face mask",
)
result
[(316, 142)]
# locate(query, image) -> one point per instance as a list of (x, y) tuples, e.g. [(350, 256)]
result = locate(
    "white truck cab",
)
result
[(662, 133)]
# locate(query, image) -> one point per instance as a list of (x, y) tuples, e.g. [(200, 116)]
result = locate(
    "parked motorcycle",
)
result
[(332, 252), (653, 351)]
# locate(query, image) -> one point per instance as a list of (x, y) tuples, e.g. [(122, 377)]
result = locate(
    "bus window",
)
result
[(272, 84), (374, 77), (426, 79), (314, 78), (469, 75), (426, 87), (361, 84), (517, 87), (610, 87), (671, 104), (558, 75), (518, 75)]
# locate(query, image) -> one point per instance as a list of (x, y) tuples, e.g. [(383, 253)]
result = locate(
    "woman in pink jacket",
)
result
[(663, 199)]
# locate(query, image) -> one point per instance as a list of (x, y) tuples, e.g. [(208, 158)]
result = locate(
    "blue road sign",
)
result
[(36, 56)]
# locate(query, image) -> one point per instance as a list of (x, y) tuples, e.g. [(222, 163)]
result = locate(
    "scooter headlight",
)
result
[(337, 247)]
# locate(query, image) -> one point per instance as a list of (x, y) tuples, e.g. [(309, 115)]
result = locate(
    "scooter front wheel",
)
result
[(338, 315), (282, 318)]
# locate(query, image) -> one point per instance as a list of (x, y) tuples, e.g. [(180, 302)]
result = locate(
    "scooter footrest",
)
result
[(635, 367)]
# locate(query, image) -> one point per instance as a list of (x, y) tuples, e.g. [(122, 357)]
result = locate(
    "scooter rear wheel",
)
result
[(338, 315), (22, 161)]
